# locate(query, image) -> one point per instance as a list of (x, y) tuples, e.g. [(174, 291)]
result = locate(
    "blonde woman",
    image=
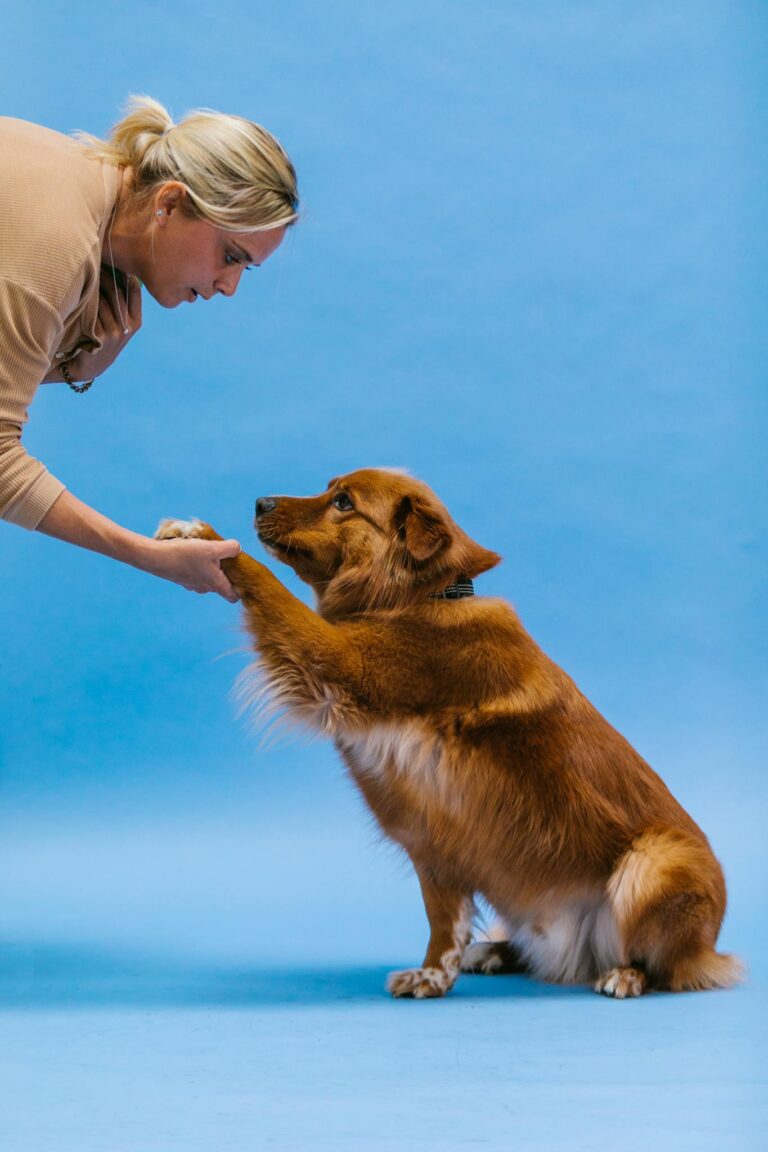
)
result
[(181, 209)]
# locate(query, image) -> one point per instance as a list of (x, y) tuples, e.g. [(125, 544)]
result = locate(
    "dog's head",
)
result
[(374, 539)]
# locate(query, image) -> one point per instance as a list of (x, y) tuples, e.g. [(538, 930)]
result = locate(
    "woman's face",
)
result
[(187, 257)]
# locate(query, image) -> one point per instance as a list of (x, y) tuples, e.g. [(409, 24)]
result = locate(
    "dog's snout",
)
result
[(265, 504)]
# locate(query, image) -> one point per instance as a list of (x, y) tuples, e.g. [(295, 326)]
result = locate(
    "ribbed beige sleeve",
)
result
[(29, 334)]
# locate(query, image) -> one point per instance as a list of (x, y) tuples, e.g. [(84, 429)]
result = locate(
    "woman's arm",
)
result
[(195, 564), (31, 497)]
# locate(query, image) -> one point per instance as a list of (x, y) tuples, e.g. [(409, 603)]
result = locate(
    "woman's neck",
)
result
[(126, 238)]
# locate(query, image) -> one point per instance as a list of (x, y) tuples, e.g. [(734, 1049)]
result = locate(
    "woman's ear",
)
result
[(171, 196)]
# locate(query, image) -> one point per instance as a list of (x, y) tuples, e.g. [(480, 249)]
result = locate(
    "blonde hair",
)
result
[(237, 176)]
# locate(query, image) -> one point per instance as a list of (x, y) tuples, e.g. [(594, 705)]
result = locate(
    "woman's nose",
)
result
[(228, 281)]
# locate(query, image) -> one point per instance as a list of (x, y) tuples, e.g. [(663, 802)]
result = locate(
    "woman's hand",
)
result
[(195, 564), (118, 310)]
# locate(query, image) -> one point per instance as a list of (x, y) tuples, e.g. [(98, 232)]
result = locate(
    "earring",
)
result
[(159, 212)]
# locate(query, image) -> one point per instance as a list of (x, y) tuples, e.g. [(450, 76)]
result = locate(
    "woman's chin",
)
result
[(169, 298), (172, 300)]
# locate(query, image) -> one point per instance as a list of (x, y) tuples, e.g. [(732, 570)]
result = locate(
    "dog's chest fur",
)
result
[(403, 769), (392, 750)]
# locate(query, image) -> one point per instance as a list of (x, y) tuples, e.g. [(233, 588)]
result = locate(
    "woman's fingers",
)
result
[(196, 565), (107, 314), (118, 318), (119, 305), (134, 303), (219, 584), (226, 590), (224, 550)]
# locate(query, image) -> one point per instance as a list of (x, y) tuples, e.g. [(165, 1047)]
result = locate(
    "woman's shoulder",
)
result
[(33, 157), (24, 130), (53, 199)]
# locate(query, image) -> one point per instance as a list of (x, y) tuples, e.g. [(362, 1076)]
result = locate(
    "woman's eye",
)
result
[(232, 258), (342, 502)]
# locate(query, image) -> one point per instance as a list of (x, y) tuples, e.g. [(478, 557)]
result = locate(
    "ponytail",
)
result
[(237, 176)]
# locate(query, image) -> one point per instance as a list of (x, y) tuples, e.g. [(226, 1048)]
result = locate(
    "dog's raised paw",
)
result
[(621, 983), (179, 529), (419, 983)]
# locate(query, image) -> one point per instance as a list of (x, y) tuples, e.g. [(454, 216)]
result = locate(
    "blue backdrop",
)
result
[(532, 269)]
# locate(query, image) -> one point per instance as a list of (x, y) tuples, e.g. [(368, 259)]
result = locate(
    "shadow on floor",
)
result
[(60, 976)]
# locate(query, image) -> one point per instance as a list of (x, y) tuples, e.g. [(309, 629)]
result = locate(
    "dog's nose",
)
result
[(265, 504)]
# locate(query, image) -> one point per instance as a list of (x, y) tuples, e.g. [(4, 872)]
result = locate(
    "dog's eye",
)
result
[(342, 502)]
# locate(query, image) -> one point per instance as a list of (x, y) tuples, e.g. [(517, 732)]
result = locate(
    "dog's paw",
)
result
[(622, 983), (484, 958), (420, 983), (179, 530), (492, 958)]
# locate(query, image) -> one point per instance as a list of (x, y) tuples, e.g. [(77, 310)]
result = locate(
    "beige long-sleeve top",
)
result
[(55, 204)]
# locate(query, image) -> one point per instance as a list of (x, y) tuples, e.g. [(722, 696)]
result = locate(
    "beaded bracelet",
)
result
[(80, 388)]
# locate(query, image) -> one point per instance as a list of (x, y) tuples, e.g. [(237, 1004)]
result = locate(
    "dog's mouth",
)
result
[(272, 542), (281, 546)]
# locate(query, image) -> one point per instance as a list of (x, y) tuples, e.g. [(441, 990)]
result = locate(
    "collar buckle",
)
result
[(460, 590)]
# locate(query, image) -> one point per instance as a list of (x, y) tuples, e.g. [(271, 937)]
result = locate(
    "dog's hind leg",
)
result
[(450, 913), (667, 895)]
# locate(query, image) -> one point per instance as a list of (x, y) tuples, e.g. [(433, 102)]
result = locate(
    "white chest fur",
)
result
[(410, 755), (405, 749)]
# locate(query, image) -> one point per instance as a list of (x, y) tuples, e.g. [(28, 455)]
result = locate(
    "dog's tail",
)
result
[(706, 969)]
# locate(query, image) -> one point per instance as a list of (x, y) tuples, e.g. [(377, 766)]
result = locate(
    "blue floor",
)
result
[(209, 979), (105, 1052)]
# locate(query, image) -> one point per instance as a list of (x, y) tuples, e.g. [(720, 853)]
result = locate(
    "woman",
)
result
[(180, 209)]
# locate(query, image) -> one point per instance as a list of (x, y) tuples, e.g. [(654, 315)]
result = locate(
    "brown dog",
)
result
[(475, 752)]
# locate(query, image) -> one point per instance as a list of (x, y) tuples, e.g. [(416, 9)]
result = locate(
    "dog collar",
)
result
[(458, 591)]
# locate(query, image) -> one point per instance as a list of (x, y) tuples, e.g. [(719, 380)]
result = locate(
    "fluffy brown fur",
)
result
[(475, 752)]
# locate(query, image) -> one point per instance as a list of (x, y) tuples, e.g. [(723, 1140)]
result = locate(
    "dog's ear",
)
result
[(473, 559), (427, 531), (422, 527)]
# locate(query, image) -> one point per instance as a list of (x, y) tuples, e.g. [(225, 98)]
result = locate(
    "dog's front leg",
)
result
[(314, 667), (450, 912)]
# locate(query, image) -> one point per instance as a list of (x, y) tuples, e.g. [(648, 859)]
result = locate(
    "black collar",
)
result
[(458, 591)]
